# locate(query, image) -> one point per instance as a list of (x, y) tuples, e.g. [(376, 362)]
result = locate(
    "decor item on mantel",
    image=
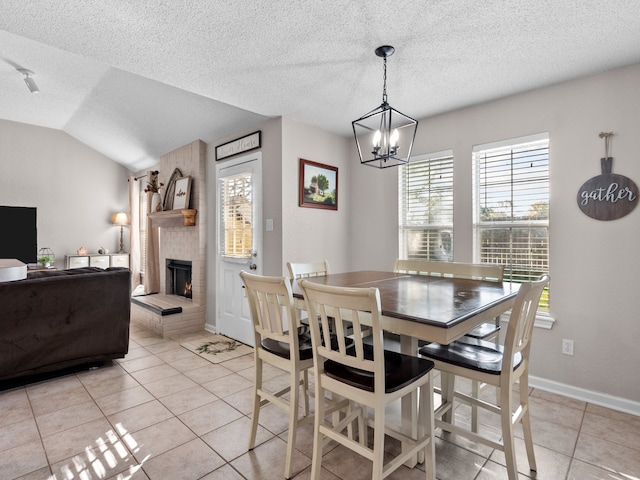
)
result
[(153, 186), (182, 193), (81, 251), (608, 196), (386, 124), (171, 188)]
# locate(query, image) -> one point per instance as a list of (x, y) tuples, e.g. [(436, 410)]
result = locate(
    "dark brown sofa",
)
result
[(55, 320)]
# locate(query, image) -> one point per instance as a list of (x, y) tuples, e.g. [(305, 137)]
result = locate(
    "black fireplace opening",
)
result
[(179, 278)]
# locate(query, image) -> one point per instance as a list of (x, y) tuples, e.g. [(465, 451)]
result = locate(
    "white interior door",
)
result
[(239, 221)]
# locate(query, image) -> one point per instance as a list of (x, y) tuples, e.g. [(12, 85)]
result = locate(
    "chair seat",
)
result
[(483, 330), (400, 371), (282, 349), (304, 344), (470, 353)]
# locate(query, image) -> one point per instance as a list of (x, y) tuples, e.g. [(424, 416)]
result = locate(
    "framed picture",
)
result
[(318, 186), (182, 193)]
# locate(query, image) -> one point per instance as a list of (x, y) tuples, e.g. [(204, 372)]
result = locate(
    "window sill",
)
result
[(545, 321)]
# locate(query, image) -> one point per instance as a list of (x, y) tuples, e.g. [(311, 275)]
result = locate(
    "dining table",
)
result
[(423, 307)]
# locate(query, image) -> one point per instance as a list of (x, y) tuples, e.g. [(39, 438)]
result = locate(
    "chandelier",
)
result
[(380, 133)]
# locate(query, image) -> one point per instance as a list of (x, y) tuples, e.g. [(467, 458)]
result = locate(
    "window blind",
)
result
[(236, 210), (426, 208), (511, 215)]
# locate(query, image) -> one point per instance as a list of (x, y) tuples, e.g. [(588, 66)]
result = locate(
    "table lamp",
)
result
[(121, 219)]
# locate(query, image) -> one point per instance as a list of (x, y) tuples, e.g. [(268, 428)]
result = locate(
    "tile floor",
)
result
[(165, 413)]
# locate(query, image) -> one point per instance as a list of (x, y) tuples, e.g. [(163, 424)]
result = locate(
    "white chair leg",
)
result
[(294, 401), (318, 437), (447, 389), (426, 427), (255, 415), (305, 392), (507, 434), (526, 424), (475, 392), (378, 444)]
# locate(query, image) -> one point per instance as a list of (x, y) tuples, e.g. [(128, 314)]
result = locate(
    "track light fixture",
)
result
[(28, 79), (380, 133)]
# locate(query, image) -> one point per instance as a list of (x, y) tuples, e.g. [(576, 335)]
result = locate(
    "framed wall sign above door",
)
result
[(240, 145)]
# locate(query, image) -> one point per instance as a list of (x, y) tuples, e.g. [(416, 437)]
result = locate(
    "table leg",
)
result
[(409, 405)]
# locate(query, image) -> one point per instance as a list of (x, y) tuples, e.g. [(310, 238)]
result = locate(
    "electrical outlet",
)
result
[(567, 346)]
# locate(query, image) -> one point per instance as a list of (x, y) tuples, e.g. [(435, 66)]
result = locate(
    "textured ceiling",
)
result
[(136, 79)]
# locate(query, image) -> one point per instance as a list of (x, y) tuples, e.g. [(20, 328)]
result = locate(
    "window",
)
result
[(236, 207), (511, 214), (426, 208)]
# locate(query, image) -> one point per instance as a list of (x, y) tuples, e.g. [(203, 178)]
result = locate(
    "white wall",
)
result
[(299, 234), (310, 234), (74, 188), (594, 264)]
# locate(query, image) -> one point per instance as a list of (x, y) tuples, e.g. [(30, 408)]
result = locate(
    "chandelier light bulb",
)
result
[(395, 136), (376, 139)]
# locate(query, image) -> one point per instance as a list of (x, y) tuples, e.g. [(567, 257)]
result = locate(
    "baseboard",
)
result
[(209, 328), (597, 398)]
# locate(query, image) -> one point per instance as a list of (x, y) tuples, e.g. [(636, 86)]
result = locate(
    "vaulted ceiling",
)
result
[(136, 79)]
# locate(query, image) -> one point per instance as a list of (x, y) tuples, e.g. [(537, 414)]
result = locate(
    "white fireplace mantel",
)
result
[(174, 218)]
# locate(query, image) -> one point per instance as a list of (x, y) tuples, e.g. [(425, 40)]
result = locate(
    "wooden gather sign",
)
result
[(608, 196)]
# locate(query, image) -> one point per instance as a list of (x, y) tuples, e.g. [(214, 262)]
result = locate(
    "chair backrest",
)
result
[(358, 306), (476, 271), (306, 270), (272, 309), (520, 327)]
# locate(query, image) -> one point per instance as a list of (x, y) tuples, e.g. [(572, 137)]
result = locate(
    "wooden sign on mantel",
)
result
[(608, 196)]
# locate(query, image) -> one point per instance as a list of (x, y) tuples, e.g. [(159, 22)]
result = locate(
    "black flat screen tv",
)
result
[(19, 238)]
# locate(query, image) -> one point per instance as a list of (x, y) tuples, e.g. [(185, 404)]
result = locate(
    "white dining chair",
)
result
[(369, 377), (500, 366), (308, 269), (301, 270), (279, 341), (489, 331)]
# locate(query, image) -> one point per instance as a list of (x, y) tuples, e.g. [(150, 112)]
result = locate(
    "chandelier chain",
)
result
[(384, 87)]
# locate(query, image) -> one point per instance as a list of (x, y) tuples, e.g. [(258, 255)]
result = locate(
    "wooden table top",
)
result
[(438, 301)]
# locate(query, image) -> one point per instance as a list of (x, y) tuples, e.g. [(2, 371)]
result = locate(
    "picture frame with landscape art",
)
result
[(182, 193), (318, 185)]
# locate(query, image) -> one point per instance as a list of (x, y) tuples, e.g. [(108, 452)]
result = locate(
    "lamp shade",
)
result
[(121, 219)]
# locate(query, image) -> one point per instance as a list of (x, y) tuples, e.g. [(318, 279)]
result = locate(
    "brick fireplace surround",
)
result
[(180, 243)]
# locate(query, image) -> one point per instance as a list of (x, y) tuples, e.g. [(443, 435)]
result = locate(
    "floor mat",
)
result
[(217, 348)]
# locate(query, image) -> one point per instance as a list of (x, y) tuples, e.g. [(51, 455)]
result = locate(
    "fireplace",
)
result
[(179, 278)]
